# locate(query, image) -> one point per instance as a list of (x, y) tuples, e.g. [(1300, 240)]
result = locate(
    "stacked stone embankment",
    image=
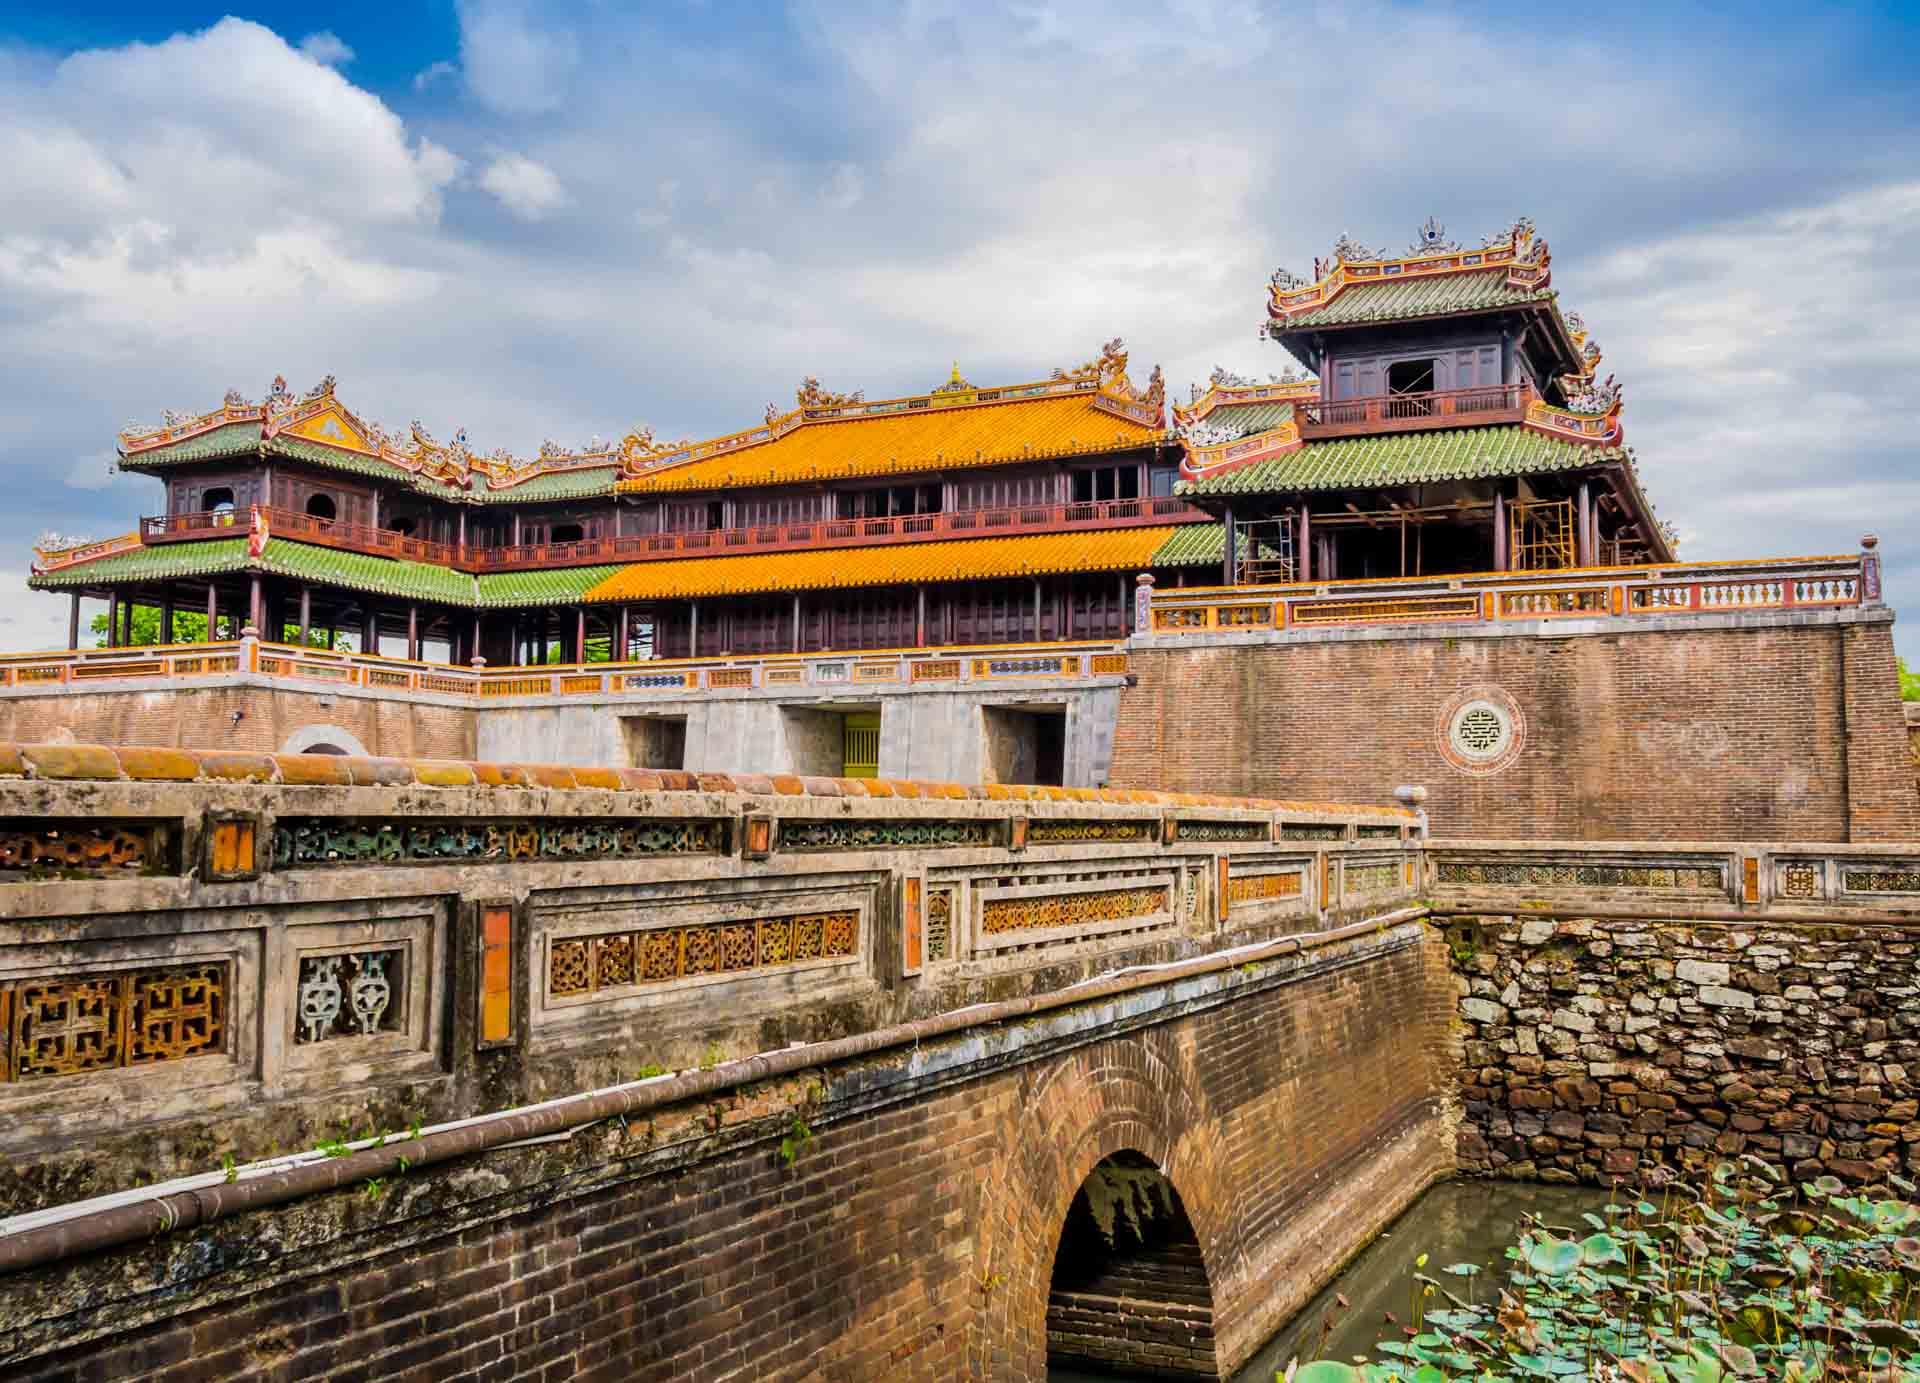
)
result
[(1593, 1050)]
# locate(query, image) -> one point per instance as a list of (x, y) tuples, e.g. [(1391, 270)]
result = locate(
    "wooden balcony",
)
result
[(1501, 403), (723, 542)]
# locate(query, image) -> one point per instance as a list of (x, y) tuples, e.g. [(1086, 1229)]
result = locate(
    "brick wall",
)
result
[(1594, 1049), (909, 1240), (1771, 732), (202, 718)]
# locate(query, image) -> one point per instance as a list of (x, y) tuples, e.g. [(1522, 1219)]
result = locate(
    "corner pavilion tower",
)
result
[(1453, 421)]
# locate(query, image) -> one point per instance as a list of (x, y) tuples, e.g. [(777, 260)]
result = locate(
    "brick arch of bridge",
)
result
[(1141, 1093)]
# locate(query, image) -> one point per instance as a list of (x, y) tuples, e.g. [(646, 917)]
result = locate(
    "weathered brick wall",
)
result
[(1595, 1048), (202, 718), (912, 1236), (1772, 732)]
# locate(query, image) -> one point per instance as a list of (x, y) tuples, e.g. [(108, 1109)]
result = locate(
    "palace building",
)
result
[(1452, 421)]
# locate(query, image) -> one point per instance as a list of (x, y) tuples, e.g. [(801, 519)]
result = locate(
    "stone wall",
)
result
[(271, 717), (891, 1216), (1726, 727), (1593, 1049)]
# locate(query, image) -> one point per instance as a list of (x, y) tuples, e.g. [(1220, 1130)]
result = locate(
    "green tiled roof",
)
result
[(300, 449), (1405, 458), (579, 484), (231, 439), (1197, 544), (357, 571), (163, 563), (1389, 299), (1245, 419), (560, 587)]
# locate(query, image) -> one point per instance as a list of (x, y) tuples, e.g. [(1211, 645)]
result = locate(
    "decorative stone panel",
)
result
[(884, 834), (72, 1024), (301, 843), (582, 966), (66, 848)]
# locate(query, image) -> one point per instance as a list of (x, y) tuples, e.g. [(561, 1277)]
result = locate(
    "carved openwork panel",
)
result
[(1372, 878), (1377, 832), (1054, 831), (1689, 878), (1265, 888), (1800, 880), (355, 994), (305, 843), (1302, 830), (66, 1026), (1072, 909), (939, 924), (58, 849), (855, 834), (1893, 880), (582, 965), (1224, 831)]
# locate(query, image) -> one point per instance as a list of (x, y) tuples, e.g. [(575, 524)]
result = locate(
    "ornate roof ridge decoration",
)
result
[(1105, 379), (1224, 387), (1592, 415), (53, 552), (1517, 250), (319, 418)]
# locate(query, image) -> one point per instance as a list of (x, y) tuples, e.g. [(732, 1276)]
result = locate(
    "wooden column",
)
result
[(462, 538), (73, 622), (1036, 609), (113, 619), (796, 622), (625, 649), (370, 631), (413, 633), (1229, 567), (213, 611), (256, 608), (1306, 543), (693, 629), (1499, 531), (1583, 527), (580, 635), (306, 612), (920, 617), (166, 616), (516, 529)]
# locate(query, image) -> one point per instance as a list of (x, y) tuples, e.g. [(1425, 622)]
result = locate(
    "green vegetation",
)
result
[(798, 1136), (1909, 682), (190, 626), (1749, 1278)]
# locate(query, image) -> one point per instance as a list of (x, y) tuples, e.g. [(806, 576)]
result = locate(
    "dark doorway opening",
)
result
[(322, 507), (567, 533), (1410, 377)]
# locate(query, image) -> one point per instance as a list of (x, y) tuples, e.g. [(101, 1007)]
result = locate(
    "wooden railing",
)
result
[(1699, 588), (1500, 403), (1009, 664), (723, 542)]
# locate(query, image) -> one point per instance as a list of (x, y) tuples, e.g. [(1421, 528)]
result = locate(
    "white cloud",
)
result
[(527, 189), (432, 73), (845, 186), (327, 48), (511, 63)]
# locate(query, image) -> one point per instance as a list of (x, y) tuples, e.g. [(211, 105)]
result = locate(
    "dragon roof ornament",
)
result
[(1517, 250)]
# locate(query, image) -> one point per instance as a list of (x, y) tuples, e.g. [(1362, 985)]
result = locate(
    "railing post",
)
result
[(1869, 570), (1143, 603)]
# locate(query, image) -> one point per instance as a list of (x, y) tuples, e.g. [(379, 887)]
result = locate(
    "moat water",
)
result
[(1455, 1222)]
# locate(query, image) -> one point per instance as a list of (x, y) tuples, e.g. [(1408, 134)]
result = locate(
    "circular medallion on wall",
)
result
[(1481, 730)]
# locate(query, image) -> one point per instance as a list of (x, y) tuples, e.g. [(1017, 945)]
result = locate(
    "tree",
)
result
[(1909, 682), (190, 626)]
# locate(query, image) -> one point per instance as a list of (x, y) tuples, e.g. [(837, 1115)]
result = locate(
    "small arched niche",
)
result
[(322, 507), (1130, 1293)]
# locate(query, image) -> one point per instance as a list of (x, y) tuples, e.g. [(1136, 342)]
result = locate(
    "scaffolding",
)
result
[(1264, 552), (1540, 534)]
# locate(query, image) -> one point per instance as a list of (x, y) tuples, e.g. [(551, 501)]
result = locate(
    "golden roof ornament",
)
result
[(811, 395), (955, 383)]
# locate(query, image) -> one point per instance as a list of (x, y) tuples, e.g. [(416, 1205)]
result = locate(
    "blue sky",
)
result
[(540, 221)]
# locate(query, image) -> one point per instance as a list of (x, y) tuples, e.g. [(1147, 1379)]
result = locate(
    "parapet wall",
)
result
[(1758, 725), (240, 955)]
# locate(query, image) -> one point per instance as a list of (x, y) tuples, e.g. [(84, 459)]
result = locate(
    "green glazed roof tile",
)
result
[(230, 439), (1197, 544), (360, 572), (164, 563), (560, 587), (300, 449), (581, 484), (1388, 299), (1405, 458), (1245, 419)]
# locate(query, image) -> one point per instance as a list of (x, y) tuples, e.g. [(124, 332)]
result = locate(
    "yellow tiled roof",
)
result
[(1035, 554), (935, 439)]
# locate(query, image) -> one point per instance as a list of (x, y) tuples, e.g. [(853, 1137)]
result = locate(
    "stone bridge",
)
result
[(326, 1067)]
